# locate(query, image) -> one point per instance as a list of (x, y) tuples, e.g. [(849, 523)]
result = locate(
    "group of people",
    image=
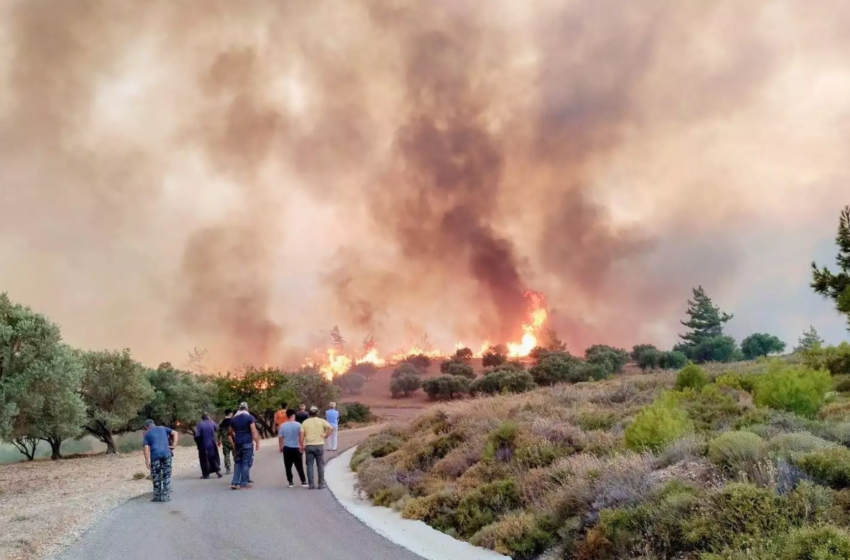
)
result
[(302, 433)]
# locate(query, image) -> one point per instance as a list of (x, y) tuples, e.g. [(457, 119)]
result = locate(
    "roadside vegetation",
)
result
[(720, 460)]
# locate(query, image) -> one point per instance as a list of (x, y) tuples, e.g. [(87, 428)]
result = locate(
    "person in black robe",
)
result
[(205, 439)]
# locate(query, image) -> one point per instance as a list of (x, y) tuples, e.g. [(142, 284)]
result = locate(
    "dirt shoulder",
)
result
[(46, 505)]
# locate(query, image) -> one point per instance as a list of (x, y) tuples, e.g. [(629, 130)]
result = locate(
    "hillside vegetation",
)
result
[(733, 461)]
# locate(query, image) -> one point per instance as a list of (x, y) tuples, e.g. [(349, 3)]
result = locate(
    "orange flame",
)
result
[(336, 363)]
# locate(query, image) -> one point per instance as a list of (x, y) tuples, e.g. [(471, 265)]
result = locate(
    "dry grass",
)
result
[(46, 504)]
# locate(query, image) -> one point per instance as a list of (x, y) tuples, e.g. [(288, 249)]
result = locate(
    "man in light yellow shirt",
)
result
[(316, 430)]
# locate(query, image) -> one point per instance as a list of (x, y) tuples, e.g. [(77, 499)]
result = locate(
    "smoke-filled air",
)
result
[(243, 176)]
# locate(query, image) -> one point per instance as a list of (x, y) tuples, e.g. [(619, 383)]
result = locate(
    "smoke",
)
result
[(242, 177)]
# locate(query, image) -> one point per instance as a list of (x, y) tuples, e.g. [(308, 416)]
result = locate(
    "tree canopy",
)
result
[(836, 286), (704, 341), (809, 339), (761, 344)]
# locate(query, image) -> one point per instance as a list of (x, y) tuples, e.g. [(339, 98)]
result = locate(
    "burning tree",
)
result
[(336, 339)]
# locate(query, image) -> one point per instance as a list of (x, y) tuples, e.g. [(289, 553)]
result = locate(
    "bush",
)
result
[(354, 412), (828, 466), (463, 355), (691, 377), (405, 368), (350, 382), (587, 371), (484, 505), (419, 361), (815, 543), (835, 359), (554, 367), (672, 360), (501, 442), (458, 368), (789, 446), (736, 451), (710, 409), (843, 386), (737, 516), (639, 350), (366, 369), (796, 389), (446, 387), (518, 535), (596, 420), (657, 425), (503, 382), (494, 356), (838, 411), (405, 385), (614, 359)]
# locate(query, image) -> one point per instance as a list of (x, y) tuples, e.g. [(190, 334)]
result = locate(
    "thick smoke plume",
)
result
[(240, 176)]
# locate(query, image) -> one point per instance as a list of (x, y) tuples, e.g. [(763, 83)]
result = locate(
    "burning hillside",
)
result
[(337, 359)]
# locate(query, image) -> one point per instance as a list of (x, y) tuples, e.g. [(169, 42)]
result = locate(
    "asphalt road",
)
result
[(205, 520)]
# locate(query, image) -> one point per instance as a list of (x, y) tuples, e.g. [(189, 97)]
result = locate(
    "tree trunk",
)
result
[(55, 447), (109, 441), (26, 445)]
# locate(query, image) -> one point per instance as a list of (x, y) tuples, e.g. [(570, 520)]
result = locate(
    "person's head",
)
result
[(290, 414), (227, 413), (205, 416), (283, 406), (313, 411), (149, 424), (243, 406), (302, 406), (333, 405)]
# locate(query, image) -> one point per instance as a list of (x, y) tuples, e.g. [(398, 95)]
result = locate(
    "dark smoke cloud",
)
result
[(242, 177)]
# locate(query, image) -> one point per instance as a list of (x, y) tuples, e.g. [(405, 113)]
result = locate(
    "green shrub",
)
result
[(672, 360), (536, 452), (446, 387), (374, 447), (596, 420), (834, 359), (386, 497), (710, 409), (737, 516), (843, 385), (351, 382), (639, 350), (553, 367), (405, 368), (484, 505), (501, 442), (828, 466), (590, 371), (503, 382), (691, 377), (519, 535), (736, 451), (796, 389), (815, 543), (405, 385), (794, 444), (657, 425), (494, 356), (354, 412), (461, 369), (420, 361), (612, 359), (437, 510), (649, 359)]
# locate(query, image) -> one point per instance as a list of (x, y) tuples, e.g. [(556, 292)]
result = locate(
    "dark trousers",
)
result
[(292, 456), (315, 454)]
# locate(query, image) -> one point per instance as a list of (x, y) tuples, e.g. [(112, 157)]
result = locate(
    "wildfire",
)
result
[(336, 362)]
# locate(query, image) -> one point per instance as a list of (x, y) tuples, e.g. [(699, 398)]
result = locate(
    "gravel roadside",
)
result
[(46, 505)]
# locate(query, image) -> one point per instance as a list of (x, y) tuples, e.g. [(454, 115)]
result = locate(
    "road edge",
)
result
[(413, 535)]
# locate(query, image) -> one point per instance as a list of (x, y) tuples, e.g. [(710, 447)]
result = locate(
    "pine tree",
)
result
[(706, 319), (810, 339), (837, 286), (336, 339)]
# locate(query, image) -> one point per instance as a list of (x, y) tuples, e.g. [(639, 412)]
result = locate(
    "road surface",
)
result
[(205, 520)]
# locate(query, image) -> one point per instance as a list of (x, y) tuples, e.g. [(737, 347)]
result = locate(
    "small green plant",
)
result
[(829, 466), (596, 420), (800, 390), (657, 425), (816, 543), (139, 476), (501, 442), (691, 377), (484, 505), (795, 444), (736, 451), (710, 409)]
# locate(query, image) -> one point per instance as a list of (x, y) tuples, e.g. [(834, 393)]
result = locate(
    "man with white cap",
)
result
[(316, 431), (243, 431)]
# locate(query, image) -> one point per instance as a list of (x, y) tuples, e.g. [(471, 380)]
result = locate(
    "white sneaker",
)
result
[(291, 485)]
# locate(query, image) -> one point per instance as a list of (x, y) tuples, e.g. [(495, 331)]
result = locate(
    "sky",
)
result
[(242, 177)]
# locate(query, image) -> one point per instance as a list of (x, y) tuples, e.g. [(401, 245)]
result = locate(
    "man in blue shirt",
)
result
[(291, 440), (332, 416), (158, 444), (243, 431)]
